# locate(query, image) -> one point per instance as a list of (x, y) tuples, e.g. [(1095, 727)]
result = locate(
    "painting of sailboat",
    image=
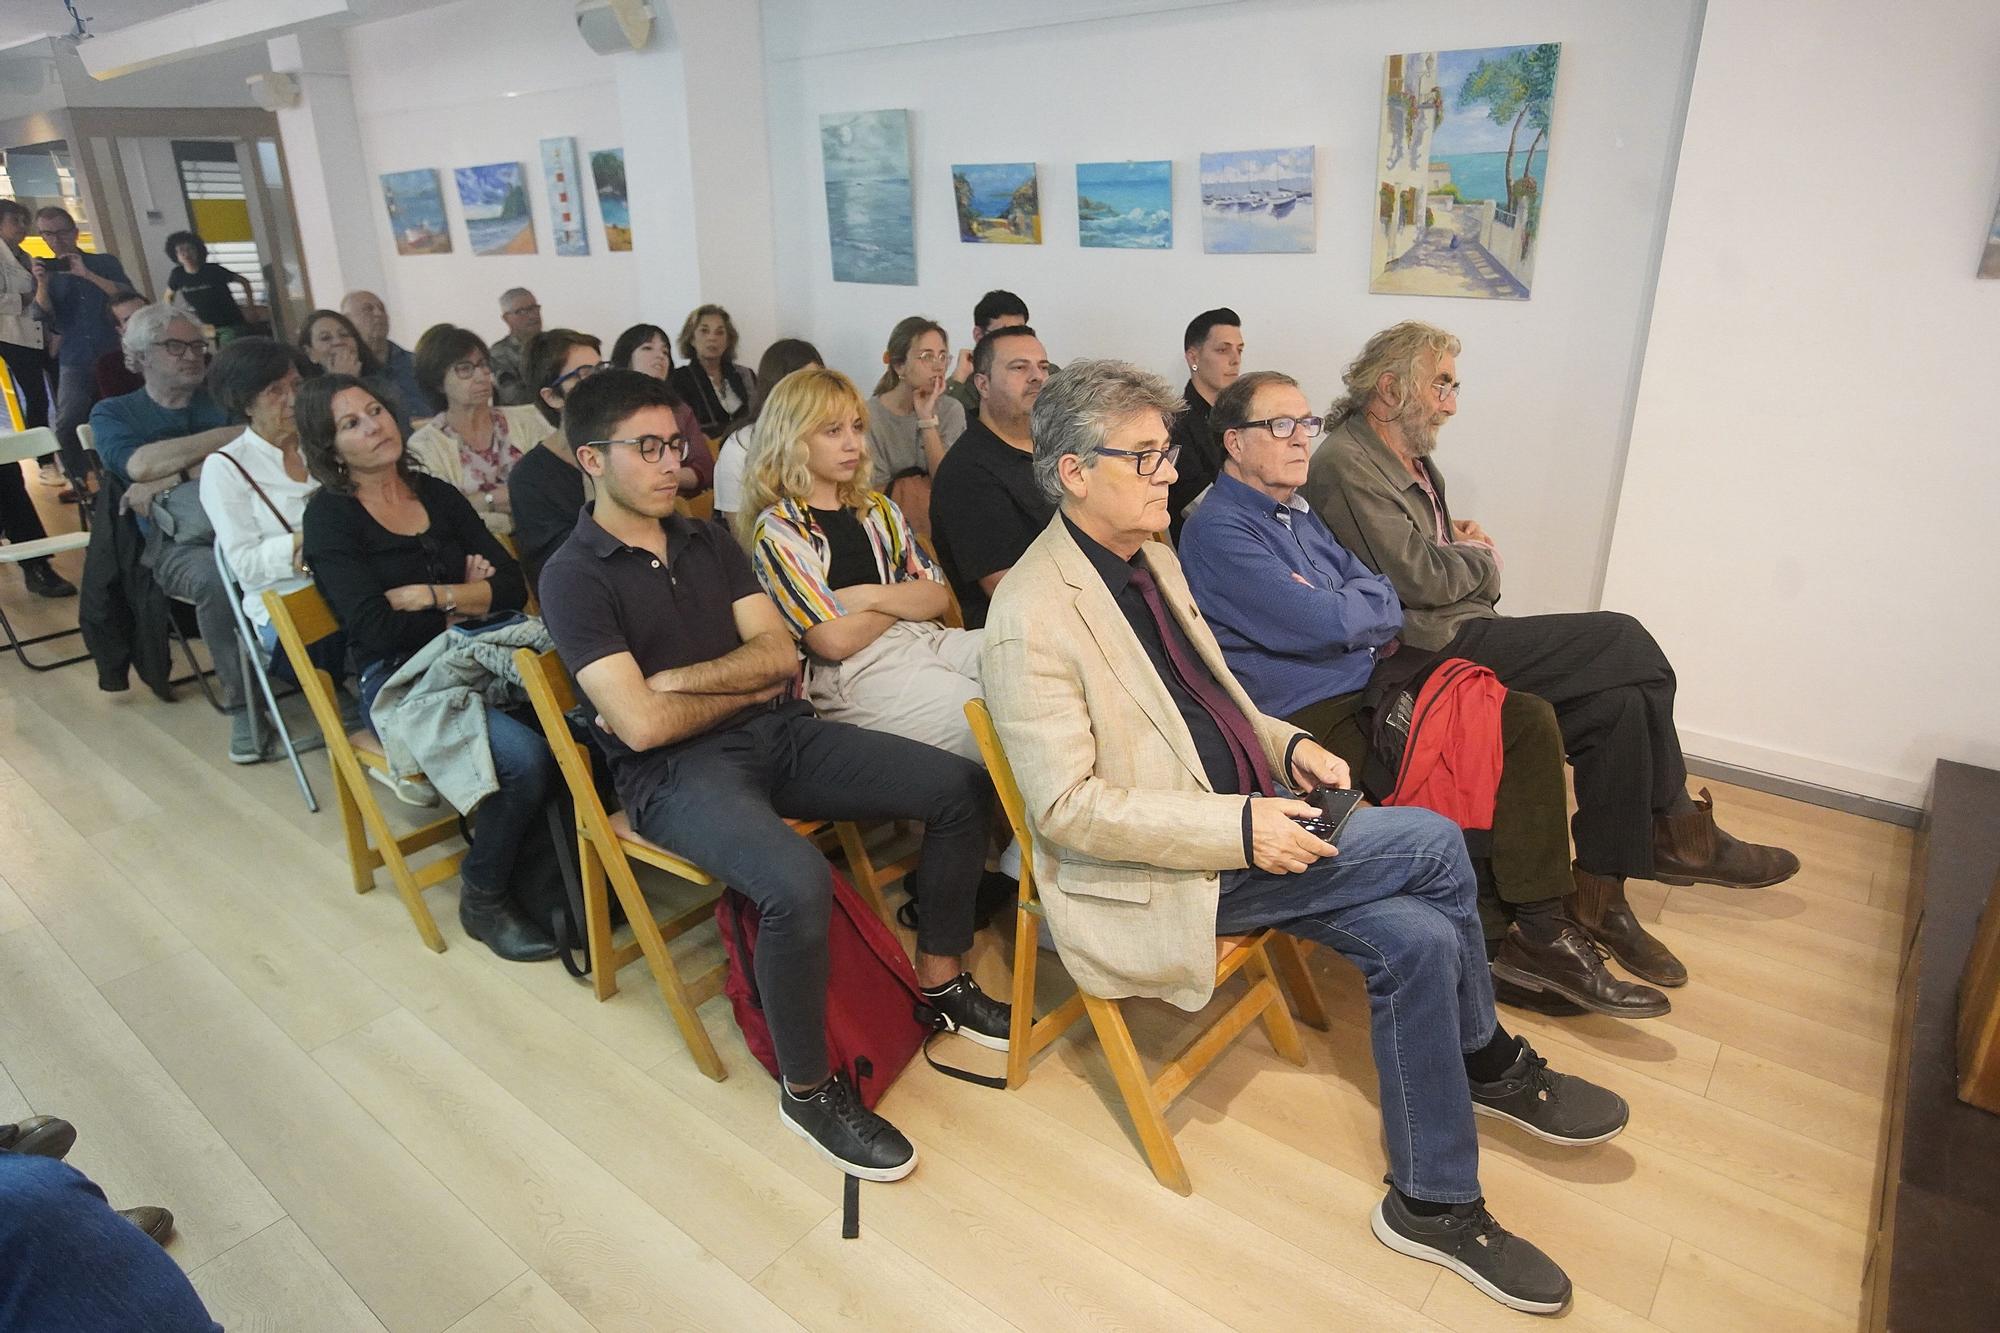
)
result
[(416, 212), (1258, 201)]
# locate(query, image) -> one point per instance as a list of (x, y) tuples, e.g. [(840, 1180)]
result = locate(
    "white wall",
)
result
[(1535, 450), (1807, 515)]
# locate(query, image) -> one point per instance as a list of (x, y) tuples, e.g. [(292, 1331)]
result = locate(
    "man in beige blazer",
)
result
[(1163, 814)]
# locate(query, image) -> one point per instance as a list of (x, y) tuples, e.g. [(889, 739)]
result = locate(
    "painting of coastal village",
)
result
[(416, 212), (870, 226), (999, 203), (1257, 202), (1125, 205), (1461, 171), (494, 199)]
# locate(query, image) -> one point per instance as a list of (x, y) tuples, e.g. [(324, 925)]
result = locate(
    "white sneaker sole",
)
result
[(980, 1038), (1402, 1244), (1544, 1135), (882, 1173)]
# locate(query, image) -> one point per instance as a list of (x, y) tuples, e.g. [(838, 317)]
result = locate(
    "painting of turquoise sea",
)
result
[(607, 172), (999, 203), (1257, 202), (495, 202), (869, 221), (1125, 205), (416, 212)]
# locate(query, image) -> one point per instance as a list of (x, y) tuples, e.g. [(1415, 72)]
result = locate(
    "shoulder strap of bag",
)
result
[(276, 512), (569, 911)]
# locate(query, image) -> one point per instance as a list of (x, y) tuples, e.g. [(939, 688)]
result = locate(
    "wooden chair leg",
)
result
[(1278, 1025), (412, 894), (1291, 965), (862, 867), (360, 857), (1021, 1027), (673, 990), (597, 918), (1148, 1115)]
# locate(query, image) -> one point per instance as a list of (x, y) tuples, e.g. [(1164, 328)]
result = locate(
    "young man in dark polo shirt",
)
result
[(985, 505), (690, 667), (1213, 345)]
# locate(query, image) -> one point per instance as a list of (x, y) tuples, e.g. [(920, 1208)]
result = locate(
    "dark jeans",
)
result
[(721, 801), (1613, 692), (76, 394), (1398, 903), (69, 1264), (1528, 854)]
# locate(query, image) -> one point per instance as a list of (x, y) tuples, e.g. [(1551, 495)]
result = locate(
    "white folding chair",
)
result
[(14, 447), (250, 647)]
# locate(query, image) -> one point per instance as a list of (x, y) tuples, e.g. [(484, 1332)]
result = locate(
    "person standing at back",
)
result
[(204, 287), (21, 349), (73, 294)]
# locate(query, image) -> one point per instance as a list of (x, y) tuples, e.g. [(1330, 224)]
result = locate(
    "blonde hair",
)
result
[(1394, 352), (777, 470)]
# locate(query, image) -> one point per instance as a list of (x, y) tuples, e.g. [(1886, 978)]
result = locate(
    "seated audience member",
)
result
[(711, 382), (1160, 800), (996, 310), (690, 668), (1303, 623), (332, 343), (780, 359), (1213, 346), (647, 349), (401, 557), (370, 318), (910, 420), (838, 559), (545, 489), (472, 443), (204, 287), (114, 377), (154, 440), (1376, 486), (985, 505), (523, 315)]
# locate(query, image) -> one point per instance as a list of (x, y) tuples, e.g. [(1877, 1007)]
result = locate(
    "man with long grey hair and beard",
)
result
[(1376, 485)]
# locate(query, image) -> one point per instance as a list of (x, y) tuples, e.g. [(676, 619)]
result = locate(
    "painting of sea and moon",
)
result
[(1464, 148), (495, 201), (416, 212), (999, 203), (868, 217), (1257, 202), (607, 170), (1125, 205)]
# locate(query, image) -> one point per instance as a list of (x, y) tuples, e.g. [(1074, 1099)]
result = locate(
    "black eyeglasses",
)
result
[(1146, 461), (652, 448), (1281, 428), (580, 374), (182, 347)]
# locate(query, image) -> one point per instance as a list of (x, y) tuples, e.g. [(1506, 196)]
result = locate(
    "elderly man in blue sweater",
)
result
[(1307, 627)]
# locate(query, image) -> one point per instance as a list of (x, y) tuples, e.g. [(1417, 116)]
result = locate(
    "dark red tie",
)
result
[(1253, 772)]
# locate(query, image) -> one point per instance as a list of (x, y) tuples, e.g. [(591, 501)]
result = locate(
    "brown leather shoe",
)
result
[(1572, 966), (155, 1222), (39, 1136), (1599, 906), (1545, 1002), (1691, 848)]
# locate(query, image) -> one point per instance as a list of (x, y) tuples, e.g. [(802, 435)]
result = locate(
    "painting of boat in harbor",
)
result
[(1257, 202), (416, 212)]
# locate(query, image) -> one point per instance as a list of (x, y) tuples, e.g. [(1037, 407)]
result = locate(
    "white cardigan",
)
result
[(437, 453), (257, 546), (17, 293)]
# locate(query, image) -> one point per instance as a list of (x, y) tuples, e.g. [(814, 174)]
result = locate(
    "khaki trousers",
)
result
[(912, 682)]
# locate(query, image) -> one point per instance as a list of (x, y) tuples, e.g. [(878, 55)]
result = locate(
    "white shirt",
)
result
[(732, 461), (256, 544)]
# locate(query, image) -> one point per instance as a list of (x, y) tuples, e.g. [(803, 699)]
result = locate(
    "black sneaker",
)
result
[(972, 1013), (1560, 1108), (845, 1132), (1471, 1244)]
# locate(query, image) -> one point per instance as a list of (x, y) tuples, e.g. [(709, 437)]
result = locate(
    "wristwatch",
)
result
[(927, 423)]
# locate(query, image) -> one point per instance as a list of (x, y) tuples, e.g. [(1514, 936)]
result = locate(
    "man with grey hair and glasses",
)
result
[(509, 356), (1165, 811), (1377, 486)]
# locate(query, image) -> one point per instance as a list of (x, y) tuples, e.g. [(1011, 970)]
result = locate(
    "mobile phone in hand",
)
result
[(1335, 805)]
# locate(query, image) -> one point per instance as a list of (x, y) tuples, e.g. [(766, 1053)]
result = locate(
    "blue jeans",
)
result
[(1401, 903), (69, 1264), (76, 394)]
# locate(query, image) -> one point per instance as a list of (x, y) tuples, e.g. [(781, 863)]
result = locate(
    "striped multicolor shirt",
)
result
[(791, 556)]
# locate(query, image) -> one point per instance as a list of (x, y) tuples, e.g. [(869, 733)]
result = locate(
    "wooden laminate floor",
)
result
[(358, 1134)]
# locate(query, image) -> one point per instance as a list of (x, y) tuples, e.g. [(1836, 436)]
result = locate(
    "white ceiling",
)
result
[(25, 20)]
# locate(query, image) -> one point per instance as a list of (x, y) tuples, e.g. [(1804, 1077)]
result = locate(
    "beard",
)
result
[(1419, 427)]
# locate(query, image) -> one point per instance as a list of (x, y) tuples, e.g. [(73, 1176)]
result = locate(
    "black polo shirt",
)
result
[(1200, 458), (986, 509), (601, 597)]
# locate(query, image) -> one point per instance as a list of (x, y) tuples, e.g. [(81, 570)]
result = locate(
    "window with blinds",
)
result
[(219, 207)]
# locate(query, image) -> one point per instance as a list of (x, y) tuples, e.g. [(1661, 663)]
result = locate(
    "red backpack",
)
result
[(876, 1016)]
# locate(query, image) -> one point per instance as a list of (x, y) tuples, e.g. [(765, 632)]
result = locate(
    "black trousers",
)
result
[(30, 369), (18, 520), (1613, 692), (721, 801)]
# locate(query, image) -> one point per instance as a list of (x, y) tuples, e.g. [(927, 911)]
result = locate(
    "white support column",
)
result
[(332, 190)]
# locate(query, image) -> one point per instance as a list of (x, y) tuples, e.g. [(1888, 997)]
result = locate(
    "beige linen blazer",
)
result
[(1129, 836)]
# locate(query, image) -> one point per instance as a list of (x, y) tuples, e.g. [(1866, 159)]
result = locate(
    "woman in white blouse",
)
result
[(472, 444)]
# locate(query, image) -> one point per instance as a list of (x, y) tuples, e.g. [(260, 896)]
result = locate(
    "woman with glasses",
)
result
[(712, 382), (401, 557), (647, 349), (472, 444), (911, 419)]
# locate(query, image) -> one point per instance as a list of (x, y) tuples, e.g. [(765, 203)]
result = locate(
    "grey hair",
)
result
[(147, 325), (1081, 403), (1395, 352), (511, 293)]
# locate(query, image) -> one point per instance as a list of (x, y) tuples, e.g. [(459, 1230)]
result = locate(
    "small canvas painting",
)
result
[(565, 184), (999, 203), (1257, 202), (1989, 264), (1461, 167), (1125, 205), (416, 212), (607, 169), (868, 210), (495, 201)]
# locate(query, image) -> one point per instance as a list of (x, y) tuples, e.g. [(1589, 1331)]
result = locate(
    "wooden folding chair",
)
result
[(531, 606), (302, 619), (1146, 1096), (606, 848)]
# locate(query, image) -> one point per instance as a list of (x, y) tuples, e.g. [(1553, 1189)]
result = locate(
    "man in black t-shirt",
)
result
[(690, 670), (204, 287), (986, 506)]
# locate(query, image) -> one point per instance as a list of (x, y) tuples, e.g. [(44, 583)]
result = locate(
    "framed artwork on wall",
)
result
[(869, 220), (999, 203), (1989, 263), (1259, 201), (494, 199), (565, 182), (607, 171), (416, 212), (1125, 205)]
